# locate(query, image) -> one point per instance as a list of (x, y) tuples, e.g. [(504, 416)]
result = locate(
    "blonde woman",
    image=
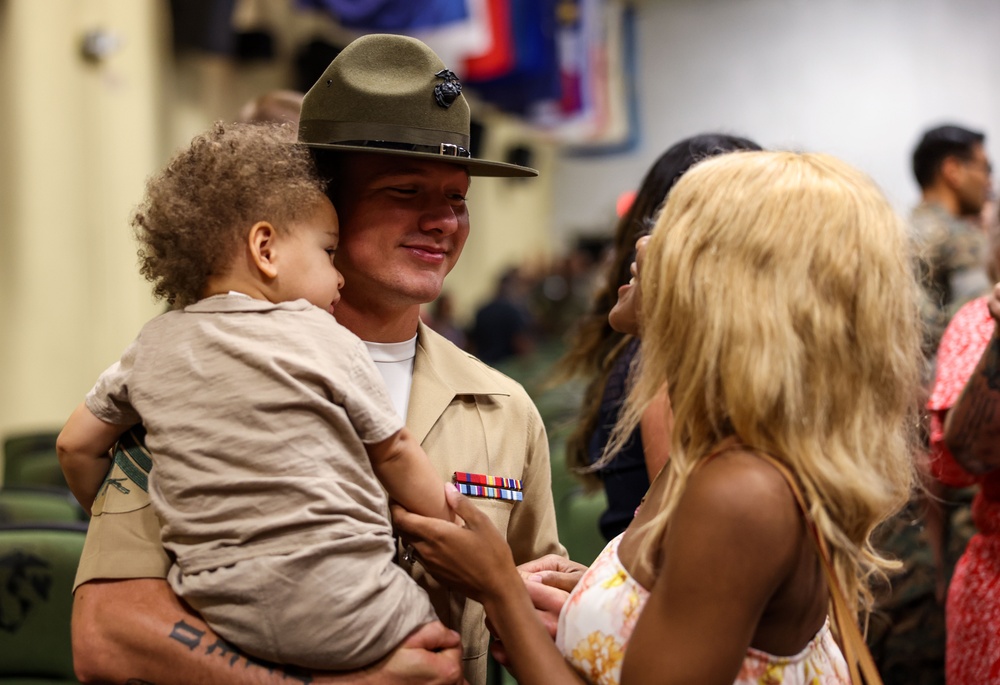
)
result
[(778, 304)]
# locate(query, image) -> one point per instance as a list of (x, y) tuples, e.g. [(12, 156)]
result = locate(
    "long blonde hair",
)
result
[(779, 304)]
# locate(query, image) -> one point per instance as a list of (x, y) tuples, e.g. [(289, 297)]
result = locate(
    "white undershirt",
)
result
[(395, 362)]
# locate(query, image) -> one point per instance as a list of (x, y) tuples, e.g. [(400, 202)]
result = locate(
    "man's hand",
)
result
[(549, 580), (554, 571), (430, 655)]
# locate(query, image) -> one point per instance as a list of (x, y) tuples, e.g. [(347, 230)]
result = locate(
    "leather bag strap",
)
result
[(859, 659)]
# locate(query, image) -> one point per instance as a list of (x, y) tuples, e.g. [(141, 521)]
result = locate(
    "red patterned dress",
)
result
[(972, 652)]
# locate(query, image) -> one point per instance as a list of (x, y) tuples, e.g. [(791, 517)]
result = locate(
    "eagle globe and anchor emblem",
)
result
[(446, 93)]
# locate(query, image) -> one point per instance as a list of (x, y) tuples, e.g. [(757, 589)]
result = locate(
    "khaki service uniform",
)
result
[(468, 417)]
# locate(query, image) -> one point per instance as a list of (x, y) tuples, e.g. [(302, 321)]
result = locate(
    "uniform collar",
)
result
[(442, 372)]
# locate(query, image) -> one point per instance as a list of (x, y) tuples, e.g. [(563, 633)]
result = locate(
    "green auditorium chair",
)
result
[(37, 566), (30, 459), (38, 504)]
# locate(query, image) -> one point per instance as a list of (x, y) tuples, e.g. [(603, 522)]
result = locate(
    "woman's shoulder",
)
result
[(738, 495), (740, 479)]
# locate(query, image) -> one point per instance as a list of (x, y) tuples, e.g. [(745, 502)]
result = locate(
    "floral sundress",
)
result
[(598, 618)]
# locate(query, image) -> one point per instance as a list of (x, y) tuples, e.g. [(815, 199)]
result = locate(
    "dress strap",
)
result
[(859, 659)]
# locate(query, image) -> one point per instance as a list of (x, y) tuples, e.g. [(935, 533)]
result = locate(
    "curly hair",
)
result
[(780, 306), (595, 345), (196, 211)]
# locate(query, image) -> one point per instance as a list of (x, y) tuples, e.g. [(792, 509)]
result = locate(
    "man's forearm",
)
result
[(137, 631), (972, 426)]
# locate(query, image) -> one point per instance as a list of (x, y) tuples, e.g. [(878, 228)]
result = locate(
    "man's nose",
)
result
[(440, 215)]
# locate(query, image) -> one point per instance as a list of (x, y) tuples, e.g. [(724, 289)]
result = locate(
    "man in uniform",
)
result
[(390, 128), (953, 171), (907, 629)]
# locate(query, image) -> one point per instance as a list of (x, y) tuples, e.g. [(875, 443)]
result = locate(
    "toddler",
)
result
[(269, 424)]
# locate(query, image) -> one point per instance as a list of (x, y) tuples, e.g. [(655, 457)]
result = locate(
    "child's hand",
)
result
[(83, 448)]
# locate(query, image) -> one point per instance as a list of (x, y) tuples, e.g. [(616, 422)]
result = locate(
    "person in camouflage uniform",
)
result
[(953, 172), (907, 629)]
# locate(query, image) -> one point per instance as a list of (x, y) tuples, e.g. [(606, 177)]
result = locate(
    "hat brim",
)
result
[(475, 167)]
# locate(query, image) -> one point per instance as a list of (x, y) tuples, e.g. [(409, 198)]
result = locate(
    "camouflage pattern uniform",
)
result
[(907, 630), (951, 264)]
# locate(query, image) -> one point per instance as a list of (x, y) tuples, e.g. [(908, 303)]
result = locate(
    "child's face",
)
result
[(309, 272)]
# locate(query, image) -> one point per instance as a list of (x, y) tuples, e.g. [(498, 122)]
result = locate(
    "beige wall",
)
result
[(77, 140), (510, 219)]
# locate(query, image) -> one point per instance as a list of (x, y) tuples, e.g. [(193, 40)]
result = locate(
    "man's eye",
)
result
[(404, 191)]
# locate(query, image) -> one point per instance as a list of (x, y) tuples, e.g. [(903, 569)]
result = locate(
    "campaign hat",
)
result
[(392, 95)]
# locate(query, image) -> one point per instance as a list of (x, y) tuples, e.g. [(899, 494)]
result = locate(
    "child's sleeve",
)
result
[(109, 399)]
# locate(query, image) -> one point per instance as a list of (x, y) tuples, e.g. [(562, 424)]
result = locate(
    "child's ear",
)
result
[(262, 241)]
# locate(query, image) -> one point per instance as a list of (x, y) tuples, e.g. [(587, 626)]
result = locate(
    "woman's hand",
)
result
[(472, 558), (475, 560)]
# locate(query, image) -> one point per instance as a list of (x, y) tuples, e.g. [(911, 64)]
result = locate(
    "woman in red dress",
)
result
[(965, 450)]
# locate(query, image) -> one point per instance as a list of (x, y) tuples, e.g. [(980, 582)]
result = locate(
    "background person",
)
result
[(907, 629), (503, 328), (951, 167), (403, 223), (718, 579), (274, 106), (965, 427), (603, 352)]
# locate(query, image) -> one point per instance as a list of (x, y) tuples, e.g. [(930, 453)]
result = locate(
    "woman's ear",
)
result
[(262, 241)]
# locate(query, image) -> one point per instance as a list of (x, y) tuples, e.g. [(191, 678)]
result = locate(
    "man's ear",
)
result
[(263, 242), (951, 169)]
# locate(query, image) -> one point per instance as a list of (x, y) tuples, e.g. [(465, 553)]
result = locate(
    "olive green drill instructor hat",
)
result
[(391, 95)]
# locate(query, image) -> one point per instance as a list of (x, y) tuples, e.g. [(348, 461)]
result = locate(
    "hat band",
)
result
[(389, 136), (445, 149)]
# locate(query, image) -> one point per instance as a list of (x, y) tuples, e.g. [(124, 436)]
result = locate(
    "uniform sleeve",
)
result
[(121, 546), (123, 538), (532, 531)]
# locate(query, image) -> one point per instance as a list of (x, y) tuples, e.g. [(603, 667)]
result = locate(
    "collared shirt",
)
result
[(468, 417)]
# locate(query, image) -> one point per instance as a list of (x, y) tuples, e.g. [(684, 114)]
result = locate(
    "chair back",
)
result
[(38, 504), (37, 567), (31, 459)]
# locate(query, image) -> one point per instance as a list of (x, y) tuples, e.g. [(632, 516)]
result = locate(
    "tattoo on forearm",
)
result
[(187, 635), (224, 648), (191, 637)]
